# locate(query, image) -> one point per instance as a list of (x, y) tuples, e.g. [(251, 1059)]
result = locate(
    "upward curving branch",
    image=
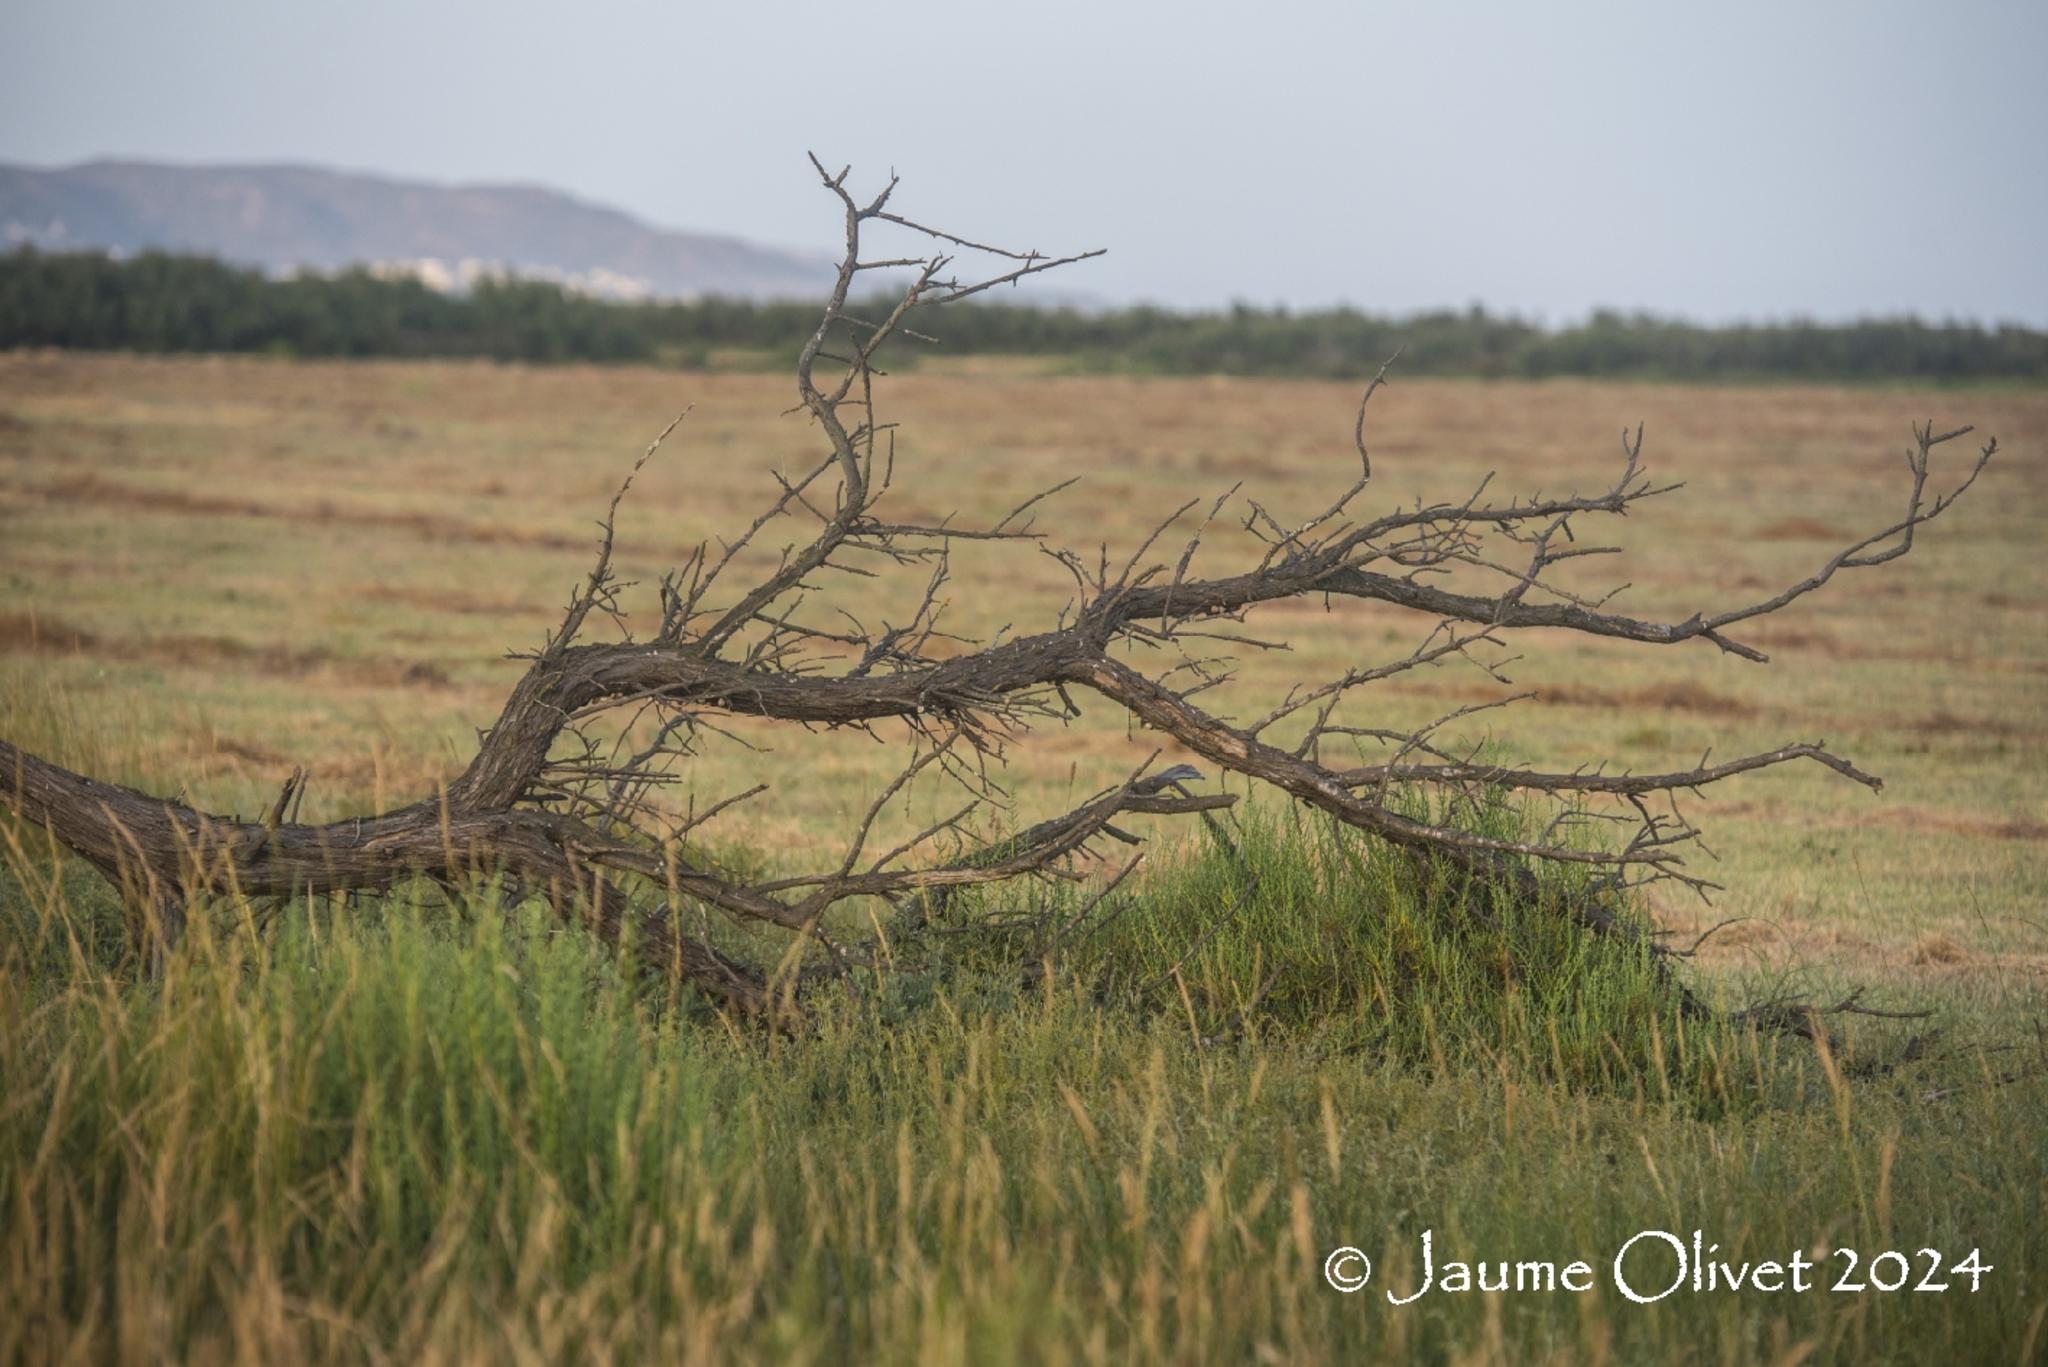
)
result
[(567, 811)]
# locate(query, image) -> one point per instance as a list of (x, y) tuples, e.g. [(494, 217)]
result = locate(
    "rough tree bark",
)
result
[(562, 814)]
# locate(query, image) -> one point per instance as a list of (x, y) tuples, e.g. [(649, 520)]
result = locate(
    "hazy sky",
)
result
[(1716, 160)]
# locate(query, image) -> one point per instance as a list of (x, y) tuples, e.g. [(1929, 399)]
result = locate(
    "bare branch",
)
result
[(564, 797)]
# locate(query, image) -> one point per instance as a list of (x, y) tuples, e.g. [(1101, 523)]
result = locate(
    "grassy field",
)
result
[(397, 1135)]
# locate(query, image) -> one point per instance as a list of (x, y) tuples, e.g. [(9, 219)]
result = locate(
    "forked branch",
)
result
[(575, 815)]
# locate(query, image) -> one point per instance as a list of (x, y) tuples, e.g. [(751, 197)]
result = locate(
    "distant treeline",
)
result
[(162, 303)]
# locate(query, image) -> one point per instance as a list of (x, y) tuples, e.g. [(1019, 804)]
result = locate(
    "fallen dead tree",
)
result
[(560, 807)]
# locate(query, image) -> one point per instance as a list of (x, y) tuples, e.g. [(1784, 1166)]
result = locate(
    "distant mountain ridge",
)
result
[(290, 217)]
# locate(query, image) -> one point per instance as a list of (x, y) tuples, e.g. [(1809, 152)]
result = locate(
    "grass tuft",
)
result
[(399, 1129)]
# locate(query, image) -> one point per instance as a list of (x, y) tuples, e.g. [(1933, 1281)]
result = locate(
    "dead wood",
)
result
[(560, 813)]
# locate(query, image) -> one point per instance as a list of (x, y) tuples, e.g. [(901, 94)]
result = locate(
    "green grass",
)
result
[(1294, 929), (408, 1130)]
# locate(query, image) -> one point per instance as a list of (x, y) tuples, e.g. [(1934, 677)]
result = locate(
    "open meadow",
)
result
[(431, 1138)]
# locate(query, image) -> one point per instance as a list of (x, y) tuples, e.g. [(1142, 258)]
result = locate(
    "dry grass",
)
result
[(380, 1132), (260, 563)]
